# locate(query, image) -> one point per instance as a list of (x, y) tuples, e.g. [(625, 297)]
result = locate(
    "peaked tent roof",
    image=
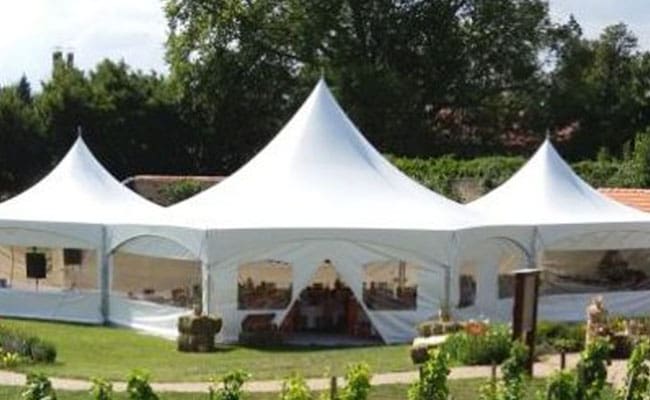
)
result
[(78, 190), (320, 172), (547, 191)]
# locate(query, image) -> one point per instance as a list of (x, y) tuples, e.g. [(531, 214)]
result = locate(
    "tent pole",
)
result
[(452, 263), (11, 277), (205, 284), (534, 252), (447, 299), (104, 259)]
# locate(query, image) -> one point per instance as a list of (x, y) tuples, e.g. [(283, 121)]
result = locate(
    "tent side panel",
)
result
[(57, 306), (156, 319)]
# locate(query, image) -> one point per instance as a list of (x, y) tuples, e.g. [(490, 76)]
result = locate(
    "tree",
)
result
[(235, 79), (131, 120), (419, 78), (22, 145), (24, 90), (600, 91), (65, 104), (137, 122)]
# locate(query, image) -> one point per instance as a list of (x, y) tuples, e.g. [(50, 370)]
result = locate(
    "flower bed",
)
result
[(17, 347)]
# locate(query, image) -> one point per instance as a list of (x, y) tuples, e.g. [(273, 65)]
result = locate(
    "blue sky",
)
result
[(134, 30)]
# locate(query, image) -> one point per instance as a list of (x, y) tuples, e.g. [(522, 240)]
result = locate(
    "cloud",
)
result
[(135, 31), (30, 30)]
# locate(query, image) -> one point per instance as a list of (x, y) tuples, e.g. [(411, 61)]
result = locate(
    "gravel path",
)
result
[(544, 368)]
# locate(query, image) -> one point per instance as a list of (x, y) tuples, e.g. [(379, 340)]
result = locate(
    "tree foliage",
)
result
[(440, 80), (22, 150), (418, 77)]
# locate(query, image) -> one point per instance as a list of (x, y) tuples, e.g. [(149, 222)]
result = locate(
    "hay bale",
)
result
[(196, 333)]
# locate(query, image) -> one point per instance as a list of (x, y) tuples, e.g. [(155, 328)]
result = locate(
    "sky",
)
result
[(30, 30), (135, 31)]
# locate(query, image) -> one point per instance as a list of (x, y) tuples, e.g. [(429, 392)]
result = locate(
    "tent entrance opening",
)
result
[(327, 311)]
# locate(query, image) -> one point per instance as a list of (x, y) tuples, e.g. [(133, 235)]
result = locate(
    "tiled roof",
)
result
[(637, 198), (175, 178)]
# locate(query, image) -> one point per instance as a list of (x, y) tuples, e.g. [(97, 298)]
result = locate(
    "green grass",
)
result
[(462, 389), (111, 353)]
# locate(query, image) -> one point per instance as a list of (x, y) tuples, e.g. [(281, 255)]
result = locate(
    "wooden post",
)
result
[(493, 374), (562, 360), (333, 388), (524, 311)]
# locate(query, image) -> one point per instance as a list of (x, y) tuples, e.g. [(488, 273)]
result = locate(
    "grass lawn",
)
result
[(464, 389), (111, 353)]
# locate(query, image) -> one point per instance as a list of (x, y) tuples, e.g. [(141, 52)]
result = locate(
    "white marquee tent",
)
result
[(71, 208), (319, 191), (564, 214), (317, 195)]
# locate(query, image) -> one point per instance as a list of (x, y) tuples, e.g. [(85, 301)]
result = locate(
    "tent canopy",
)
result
[(71, 206), (78, 199), (319, 191), (320, 172), (78, 190), (546, 191)]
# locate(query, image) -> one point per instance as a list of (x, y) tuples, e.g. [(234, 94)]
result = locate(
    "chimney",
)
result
[(70, 59), (57, 57)]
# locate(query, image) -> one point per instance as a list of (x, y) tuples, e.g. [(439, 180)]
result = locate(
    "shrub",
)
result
[(295, 388), (592, 370), (138, 387), (232, 384), (443, 173), (489, 391), (637, 381), (588, 381), (493, 346), (29, 347), (38, 388), (10, 360), (101, 389), (560, 336), (514, 370), (41, 351), (13, 341), (181, 190), (433, 378), (511, 386), (357, 386), (561, 386)]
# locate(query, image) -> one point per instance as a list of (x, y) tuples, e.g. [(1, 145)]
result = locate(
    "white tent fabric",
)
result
[(320, 172), (546, 191), (318, 191), (564, 210), (77, 191), (563, 213), (320, 182), (71, 208)]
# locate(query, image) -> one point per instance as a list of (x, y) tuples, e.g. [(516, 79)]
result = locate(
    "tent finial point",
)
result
[(322, 75), (79, 131)]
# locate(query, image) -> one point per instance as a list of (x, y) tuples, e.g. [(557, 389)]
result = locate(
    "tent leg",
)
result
[(104, 261), (107, 262), (447, 297), (205, 285)]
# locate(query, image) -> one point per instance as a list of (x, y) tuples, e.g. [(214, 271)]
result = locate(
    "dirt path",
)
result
[(616, 375)]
